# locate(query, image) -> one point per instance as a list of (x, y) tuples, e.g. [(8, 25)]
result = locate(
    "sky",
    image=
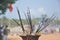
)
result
[(37, 8)]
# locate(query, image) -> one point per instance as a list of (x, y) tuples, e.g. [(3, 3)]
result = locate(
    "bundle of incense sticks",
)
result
[(45, 22)]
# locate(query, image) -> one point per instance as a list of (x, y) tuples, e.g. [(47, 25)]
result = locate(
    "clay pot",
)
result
[(30, 37)]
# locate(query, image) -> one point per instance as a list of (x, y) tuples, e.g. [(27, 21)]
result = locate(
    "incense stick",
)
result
[(26, 18), (15, 21), (30, 21), (20, 20)]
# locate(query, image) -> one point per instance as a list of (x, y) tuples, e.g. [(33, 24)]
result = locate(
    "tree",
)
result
[(4, 4)]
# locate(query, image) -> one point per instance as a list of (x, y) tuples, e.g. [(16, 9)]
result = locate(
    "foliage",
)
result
[(57, 22), (4, 5), (12, 23)]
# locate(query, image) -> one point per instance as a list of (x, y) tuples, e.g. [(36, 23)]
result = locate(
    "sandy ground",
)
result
[(55, 36), (14, 37)]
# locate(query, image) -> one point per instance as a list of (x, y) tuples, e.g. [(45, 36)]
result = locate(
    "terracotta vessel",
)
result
[(30, 37)]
